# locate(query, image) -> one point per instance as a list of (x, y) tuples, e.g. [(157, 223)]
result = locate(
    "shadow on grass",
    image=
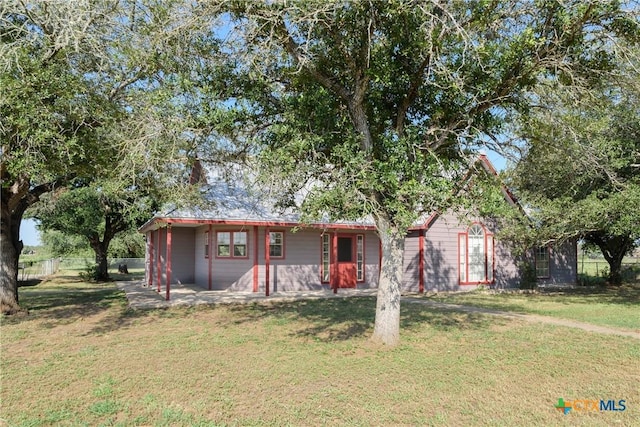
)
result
[(63, 300), (487, 302), (627, 295), (326, 320), (342, 319), (63, 306), (28, 283)]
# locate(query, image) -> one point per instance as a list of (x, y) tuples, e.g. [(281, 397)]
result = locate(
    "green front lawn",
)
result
[(82, 358), (614, 307)]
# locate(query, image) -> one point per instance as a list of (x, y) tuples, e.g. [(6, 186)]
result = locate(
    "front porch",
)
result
[(141, 296)]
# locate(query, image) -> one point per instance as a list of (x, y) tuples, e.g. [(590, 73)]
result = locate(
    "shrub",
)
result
[(527, 275), (90, 273)]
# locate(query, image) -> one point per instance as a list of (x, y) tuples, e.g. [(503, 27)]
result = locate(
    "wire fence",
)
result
[(36, 269), (598, 268)]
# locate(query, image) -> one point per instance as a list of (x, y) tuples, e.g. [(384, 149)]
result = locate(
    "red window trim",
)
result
[(231, 245), (486, 236), (283, 245)]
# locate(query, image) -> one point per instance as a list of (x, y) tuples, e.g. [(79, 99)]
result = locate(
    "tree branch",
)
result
[(417, 81), (354, 100)]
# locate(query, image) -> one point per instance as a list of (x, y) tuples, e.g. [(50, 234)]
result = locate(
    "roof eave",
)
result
[(158, 222)]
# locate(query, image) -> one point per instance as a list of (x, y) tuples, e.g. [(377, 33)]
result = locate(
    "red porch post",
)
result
[(159, 260), (209, 244), (255, 258), (421, 262), (266, 261), (168, 294), (151, 260)]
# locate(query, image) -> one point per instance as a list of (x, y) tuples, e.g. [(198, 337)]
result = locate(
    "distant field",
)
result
[(596, 267), (82, 358), (594, 271)]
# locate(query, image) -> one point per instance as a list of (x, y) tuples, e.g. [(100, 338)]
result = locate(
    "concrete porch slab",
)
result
[(141, 296)]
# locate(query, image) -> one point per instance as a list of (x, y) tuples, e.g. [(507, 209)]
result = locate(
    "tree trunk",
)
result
[(614, 258), (16, 195), (10, 249), (613, 248), (102, 265), (387, 322)]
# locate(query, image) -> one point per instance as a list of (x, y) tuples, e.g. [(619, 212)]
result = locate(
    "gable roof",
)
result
[(485, 164), (234, 203)]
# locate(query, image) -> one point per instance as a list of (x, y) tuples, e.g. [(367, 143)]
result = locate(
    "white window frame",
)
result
[(543, 262), (273, 244), (325, 261), (234, 243), (476, 238)]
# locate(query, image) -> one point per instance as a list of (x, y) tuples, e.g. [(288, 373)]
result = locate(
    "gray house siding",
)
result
[(201, 266), (148, 257), (411, 263), (441, 254), (182, 257), (441, 257), (507, 273), (299, 269), (371, 260), (226, 273), (563, 265), (157, 266)]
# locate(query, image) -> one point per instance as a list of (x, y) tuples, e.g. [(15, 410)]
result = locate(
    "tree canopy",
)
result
[(373, 108), (82, 96), (377, 103), (98, 214), (581, 171)]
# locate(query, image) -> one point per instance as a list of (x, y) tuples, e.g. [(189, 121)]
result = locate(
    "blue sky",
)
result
[(28, 233), (499, 162)]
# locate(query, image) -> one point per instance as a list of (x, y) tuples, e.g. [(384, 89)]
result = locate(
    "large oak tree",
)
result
[(98, 214), (81, 96), (581, 170), (372, 105)]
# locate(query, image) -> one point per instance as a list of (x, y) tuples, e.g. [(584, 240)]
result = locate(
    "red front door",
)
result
[(346, 262)]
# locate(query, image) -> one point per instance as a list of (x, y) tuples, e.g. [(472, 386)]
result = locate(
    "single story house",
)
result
[(243, 245)]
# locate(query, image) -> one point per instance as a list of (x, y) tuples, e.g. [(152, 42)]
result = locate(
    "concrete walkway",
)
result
[(141, 296), (144, 297)]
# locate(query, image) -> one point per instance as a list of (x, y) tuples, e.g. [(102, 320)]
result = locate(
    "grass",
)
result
[(82, 358), (614, 307)]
